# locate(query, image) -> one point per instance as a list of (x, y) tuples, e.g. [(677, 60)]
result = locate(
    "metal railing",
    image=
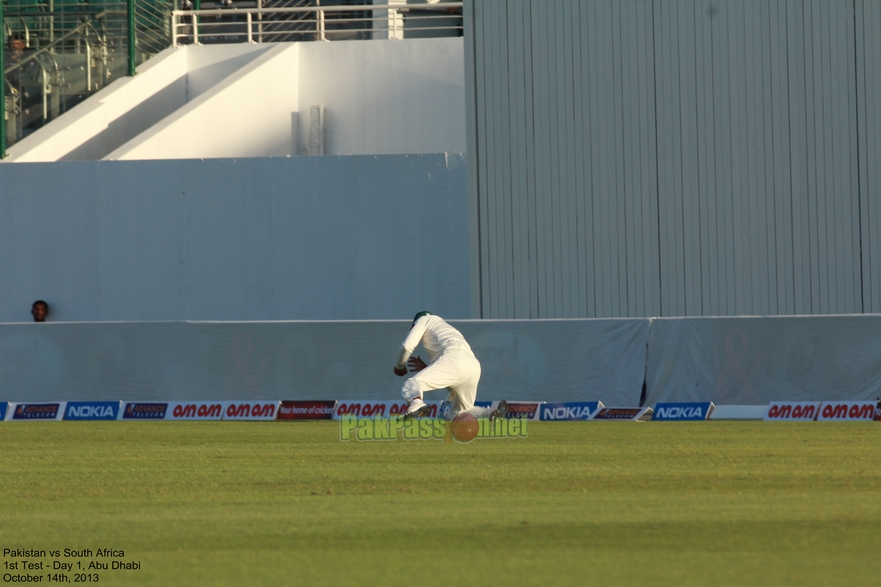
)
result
[(56, 53), (316, 23)]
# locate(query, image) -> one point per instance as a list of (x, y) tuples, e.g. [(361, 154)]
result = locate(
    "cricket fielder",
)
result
[(451, 365)]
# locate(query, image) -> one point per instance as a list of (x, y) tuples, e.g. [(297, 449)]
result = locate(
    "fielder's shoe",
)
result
[(417, 409), (499, 412)]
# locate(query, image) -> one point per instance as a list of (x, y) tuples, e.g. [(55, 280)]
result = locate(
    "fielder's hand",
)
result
[(400, 372), (416, 364)]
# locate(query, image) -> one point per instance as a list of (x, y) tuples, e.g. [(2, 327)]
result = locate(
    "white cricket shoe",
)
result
[(499, 412), (417, 409)]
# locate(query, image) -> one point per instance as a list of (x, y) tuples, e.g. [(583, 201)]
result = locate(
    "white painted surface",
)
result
[(386, 97), (131, 105), (235, 239), (245, 113), (209, 101), (739, 412)]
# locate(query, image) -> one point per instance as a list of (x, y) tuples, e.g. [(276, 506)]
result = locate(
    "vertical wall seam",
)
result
[(477, 161), (660, 291), (856, 82)]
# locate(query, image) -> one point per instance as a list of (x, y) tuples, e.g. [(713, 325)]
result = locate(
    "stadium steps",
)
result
[(166, 88)]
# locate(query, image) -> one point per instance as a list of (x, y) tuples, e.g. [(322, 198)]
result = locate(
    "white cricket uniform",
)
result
[(452, 365)]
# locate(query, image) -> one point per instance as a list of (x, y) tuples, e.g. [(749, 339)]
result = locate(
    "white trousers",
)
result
[(458, 370)]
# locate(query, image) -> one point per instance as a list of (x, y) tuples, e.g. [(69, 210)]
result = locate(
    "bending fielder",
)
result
[(451, 365)]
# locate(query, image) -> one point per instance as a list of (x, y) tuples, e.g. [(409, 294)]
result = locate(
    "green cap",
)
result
[(418, 316)]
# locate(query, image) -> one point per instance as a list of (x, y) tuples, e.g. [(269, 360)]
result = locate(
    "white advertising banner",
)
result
[(195, 410), (738, 413), (371, 409), (847, 411), (792, 411), (251, 410)]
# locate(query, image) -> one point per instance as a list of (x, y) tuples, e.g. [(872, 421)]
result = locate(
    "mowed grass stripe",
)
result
[(230, 503)]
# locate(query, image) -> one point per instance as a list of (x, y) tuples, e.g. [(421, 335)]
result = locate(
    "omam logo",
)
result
[(367, 409), (792, 411), (847, 411), (358, 409), (256, 411), (206, 411)]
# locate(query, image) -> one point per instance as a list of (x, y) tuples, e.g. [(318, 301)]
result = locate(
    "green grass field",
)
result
[(226, 503)]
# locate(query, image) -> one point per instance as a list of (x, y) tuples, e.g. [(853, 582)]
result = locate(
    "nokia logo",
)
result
[(92, 411), (569, 410), (682, 411)]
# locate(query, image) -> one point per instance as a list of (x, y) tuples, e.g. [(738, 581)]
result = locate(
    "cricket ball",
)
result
[(464, 427)]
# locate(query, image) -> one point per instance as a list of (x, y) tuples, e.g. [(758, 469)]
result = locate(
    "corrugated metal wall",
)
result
[(676, 157)]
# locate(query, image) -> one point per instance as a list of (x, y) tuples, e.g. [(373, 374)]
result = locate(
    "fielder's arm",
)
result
[(401, 365), (410, 343)]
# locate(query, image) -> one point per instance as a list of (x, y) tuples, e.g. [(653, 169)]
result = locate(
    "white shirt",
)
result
[(436, 337)]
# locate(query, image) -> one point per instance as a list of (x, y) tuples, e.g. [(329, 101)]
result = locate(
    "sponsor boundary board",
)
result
[(516, 408), (569, 411), (682, 411), (143, 411), (792, 411), (95, 410), (369, 409), (635, 414), (3, 406), (724, 412), (307, 410), (195, 410), (522, 409), (251, 410), (853, 411), (36, 411)]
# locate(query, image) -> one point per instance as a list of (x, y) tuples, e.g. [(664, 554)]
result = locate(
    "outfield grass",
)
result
[(227, 503)]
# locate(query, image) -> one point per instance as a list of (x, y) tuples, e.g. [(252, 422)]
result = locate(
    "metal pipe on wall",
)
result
[(2, 83), (130, 17)]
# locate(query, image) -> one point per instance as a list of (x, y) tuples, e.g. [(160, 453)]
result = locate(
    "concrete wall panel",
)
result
[(235, 239)]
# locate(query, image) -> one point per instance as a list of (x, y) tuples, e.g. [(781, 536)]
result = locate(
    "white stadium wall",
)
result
[(132, 105), (386, 97), (305, 238), (674, 158), (243, 100)]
